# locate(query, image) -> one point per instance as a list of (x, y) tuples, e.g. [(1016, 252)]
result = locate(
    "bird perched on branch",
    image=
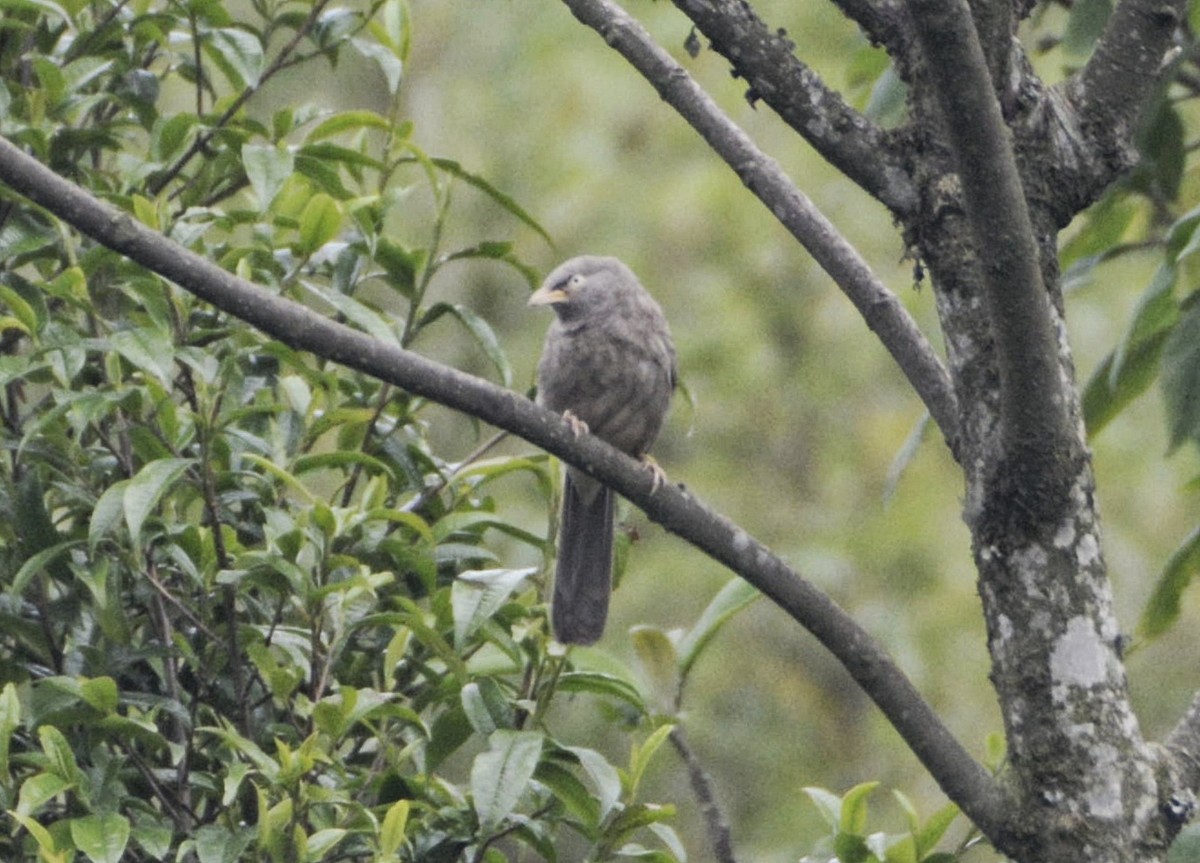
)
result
[(608, 366)]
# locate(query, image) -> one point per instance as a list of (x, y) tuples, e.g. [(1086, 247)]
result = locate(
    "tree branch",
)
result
[(882, 21), (1112, 88), (848, 140), (710, 810), (884, 314), (1033, 407), (960, 776)]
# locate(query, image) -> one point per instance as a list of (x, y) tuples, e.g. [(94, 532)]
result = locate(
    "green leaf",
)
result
[(367, 319), (1108, 392), (153, 835), (38, 563), (391, 65), (854, 808), (642, 756), (604, 776), (391, 833), (1162, 609), (1163, 146), (143, 493), (101, 837), (828, 804), (456, 170), (934, 829), (667, 835), (1181, 377), (599, 683), (216, 843), (569, 791), (267, 168), (479, 329), (100, 692), (22, 310), (36, 790), (107, 512), (238, 53), (500, 775), (59, 755), (736, 595), (348, 121), (149, 349), (478, 594), (47, 849), (449, 731), (659, 664), (486, 707), (319, 844), (851, 848), (10, 721), (320, 222)]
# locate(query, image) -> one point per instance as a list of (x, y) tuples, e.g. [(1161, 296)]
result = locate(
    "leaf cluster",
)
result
[(251, 607)]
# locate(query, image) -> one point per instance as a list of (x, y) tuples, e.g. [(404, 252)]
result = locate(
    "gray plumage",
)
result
[(609, 363)]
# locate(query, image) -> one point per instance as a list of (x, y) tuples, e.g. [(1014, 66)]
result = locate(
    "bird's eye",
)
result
[(575, 281)]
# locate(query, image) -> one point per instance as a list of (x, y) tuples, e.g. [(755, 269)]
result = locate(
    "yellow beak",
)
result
[(547, 296)]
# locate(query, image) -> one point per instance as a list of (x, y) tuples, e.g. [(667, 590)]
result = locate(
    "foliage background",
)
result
[(798, 417), (799, 414)]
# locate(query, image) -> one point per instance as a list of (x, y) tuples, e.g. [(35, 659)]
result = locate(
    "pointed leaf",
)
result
[(1162, 609), (391, 833), (730, 599), (319, 223), (478, 594), (368, 320), (480, 330), (932, 831), (659, 664), (36, 790), (500, 775), (101, 837), (267, 168), (828, 804), (604, 776), (143, 493), (455, 169), (1181, 377)]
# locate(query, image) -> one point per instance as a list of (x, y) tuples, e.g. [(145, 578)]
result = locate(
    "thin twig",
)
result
[(710, 808)]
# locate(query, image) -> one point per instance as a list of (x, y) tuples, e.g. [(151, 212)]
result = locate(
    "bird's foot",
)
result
[(658, 476), (578, 427)]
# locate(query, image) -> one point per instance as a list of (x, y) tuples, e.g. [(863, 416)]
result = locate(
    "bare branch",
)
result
[(1034, 415), (960, 776), (764, 58), (884, 314), (882, 21), (710, 808), (1113, 87)]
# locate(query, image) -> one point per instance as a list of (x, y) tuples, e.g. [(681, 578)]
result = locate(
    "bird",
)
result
[(609, 367)]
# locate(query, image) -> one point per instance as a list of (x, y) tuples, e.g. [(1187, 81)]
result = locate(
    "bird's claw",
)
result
[(578, 427), (658, 476)]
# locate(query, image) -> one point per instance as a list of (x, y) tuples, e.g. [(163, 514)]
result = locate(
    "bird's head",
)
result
[(584, 284)]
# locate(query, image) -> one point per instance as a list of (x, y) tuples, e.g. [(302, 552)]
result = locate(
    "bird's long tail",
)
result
[(583, 575)]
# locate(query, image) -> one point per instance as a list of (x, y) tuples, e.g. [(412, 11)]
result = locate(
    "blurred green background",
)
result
[(797, 413)]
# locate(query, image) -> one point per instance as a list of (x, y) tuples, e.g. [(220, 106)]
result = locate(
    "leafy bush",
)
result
[(250, 607)]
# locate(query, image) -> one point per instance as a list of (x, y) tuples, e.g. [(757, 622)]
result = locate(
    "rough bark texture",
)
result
[(991, 164)]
